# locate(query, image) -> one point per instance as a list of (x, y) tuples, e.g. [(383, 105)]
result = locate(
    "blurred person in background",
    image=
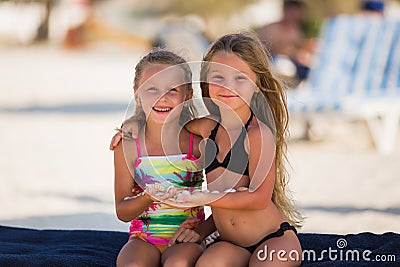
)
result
[(78, 16), (285, 41), (373, 7)]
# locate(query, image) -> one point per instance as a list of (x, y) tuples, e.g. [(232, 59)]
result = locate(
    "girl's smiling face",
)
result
[(162, 90), (231, 81)]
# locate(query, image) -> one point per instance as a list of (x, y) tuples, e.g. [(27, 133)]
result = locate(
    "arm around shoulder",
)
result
[(201, 127)]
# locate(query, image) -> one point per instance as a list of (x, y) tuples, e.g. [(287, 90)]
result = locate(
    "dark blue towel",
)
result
[(28, 247)]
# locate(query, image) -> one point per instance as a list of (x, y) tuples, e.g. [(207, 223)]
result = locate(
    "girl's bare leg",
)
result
[(137, 252), (181, 255), (279, 251), (223, 254)]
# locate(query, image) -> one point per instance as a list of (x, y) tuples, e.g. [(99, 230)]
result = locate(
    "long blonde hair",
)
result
[(248, 47)]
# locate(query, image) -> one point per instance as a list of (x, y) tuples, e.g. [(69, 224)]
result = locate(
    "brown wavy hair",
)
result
[(273, 112)]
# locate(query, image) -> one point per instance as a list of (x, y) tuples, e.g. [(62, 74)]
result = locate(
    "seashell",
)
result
[(206, 191), (149, 186), (171, 190), (242, 188), (196, 191), (149, 189), (170, 187), (230, 190), (215, 192), (185, 193), (159, 194), (158, 187)]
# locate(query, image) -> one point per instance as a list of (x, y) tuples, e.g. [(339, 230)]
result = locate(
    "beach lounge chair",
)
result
[(356, 75)]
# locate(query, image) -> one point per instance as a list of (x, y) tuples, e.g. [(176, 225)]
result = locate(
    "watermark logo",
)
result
[(341, 243), (338, 253)]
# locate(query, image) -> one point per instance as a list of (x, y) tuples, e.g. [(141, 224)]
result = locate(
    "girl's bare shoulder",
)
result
[(126, 150), (259, 131)]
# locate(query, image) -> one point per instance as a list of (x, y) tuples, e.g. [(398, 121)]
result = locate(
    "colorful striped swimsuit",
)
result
[(159, 222)]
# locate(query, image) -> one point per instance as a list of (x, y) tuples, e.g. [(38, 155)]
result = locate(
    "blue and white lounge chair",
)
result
[(356, 74)]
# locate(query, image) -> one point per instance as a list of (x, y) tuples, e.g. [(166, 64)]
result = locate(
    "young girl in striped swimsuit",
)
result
[(162, 83)]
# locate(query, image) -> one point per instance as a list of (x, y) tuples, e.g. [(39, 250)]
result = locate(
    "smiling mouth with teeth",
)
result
[(158, 109)]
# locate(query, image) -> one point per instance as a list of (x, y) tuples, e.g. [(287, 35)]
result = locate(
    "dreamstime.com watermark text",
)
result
[(332, 254)]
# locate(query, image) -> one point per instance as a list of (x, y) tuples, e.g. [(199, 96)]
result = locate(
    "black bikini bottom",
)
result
[(280, 232)]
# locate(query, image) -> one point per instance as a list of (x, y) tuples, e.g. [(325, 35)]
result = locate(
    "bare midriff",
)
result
[(243, 227)]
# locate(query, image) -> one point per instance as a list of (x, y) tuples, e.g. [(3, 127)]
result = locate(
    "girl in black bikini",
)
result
[(248, 105)]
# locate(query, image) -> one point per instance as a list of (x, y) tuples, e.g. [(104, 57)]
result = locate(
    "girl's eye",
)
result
[(217, 77), (173, 89), (152, 89), (241, 78)]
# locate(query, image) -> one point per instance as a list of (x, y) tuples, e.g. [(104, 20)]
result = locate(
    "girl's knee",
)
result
[(133, 262), (138, 253), (178, 262), (207, 261), (123, 261), (200, 262), (129, 264), (181, 255)]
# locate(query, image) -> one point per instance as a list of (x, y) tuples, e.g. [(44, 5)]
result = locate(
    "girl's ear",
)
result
[(137, 92), (136, 95), (189, 94), (256, 88)]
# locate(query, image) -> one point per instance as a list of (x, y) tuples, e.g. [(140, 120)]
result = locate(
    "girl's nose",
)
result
[(229, 86), (164, 96)]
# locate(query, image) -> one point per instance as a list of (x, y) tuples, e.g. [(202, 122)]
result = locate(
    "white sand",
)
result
[(56, 170)]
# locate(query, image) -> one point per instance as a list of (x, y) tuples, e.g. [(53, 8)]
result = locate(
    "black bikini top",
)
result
[(240, 159)]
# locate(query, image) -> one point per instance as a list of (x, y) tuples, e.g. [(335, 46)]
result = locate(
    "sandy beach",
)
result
[(58, 110)]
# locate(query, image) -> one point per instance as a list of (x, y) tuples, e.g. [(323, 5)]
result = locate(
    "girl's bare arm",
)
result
[(201, 127), (127, 208), (261, 173)]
